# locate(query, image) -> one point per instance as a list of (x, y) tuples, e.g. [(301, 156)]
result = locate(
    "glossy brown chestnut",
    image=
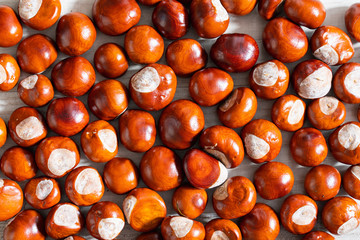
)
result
[(261, 223), (239, 7), (3, 132), (341, 215), (27, 126), (222, 229), (149, 235), (35, 90), (18, 164), (331, 45), (73, 76), (9, 71), (182, 228), (11, 199), (352, 21), (67, 116), (284, 40), (39, 14), (262, 140), (9, 27), (75, 33), (351, 181), (345, 82), (238, 109), (110, 60), (189, 201), (114, 17), (298, 214), (318, 235), (42, 192), (269, 8)]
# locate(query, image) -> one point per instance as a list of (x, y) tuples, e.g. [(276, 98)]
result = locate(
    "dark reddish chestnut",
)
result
[(346, 84), (239, 7), (222, 229), (318, 235), (269, 8), (10, 27), (3, 132), (176, 227), (352, 20), (149, 2), (9, 71), (189, 201), (11, 199), (351, 181)]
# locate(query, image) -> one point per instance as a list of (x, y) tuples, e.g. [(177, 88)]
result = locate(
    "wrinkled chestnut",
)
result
[(189, 201), (269, 8), (239, 7), (3, 132), (176, 227), (318, 235), (346, 82), (352, 20), (9, 71), (9, 27), (222, 229), (11, 199), (351, 181)]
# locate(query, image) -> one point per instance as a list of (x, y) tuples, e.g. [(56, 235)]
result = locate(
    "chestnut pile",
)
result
[(65, 190)]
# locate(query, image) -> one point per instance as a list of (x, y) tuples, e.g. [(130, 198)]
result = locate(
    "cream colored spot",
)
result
[(348, 226), (328, 105), (317, 84), (3, 74), (88, 181), (29, 8), (108, 139), (230, 101), (146, 80), (29, 82), (69, 238), (109, 228), (304, 215), (266, 74), (223, 175), (352, 83), (219, 235), (296, 112), (349, 136), (355, 170), (181, 226), (256, 147), (1, 183), (67, 216), (219, 155), (128, 206), (327, 54), (222, 14), (61, 160), (29, 128), (43, 189), (221, 193)]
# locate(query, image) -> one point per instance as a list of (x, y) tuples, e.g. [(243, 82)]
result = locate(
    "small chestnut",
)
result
[(222, 229), (269, 8), (9, 27), (346, 84), (351, 181), (318, 235), (9, 71), (182, 228), (239, 7), (11, 199), (352, 20), (3, 132), (189, 201)]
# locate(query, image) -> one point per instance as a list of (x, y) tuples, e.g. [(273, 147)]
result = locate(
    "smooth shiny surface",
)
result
[(10, 27), (12, 71), (189, 201)]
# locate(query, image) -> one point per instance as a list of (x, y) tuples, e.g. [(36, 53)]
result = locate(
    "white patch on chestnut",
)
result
[(296, 112), (230, 101), (108, 139), (129, 204), (29, 82), (328, 105), (29, 8), (355, 170), (352, 82), (219, 155), (221, 193), (109, 228), (29, 128), (304, 215), (43, 189), (146, 80), (61, 160), (1, 183), (223, 175), (69, 238), (266, 74), (327, 54), (317, 84), (222, 14), (67, 216), (348, 226), (256, 147), (88, 181), (3, 74), (181, 226), (349, 136), (219, 235)]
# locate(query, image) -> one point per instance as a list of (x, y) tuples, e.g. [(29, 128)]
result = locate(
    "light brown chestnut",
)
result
[(222, 229), (9, 27), (351, 181), (9, 71), (189, 202), (345, 83), (11, 199), (352, 20), (3, 132), (239, 7), (269, 8), (318, 235), (182, 228)]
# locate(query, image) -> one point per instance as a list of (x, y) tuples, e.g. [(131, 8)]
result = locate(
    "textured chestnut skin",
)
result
[(235, 52), (322, 182), (261, 223), (189, 202), (12, 71), (269, 8), (308, 147), (18, 164), (171, 19), (227, 227), (341, 90), (149, 235), (284, 40), (67, 116), (29, 224), (51, 200), (115, 17), (351, 182), (273, 180), (239, 7), (110, 60), (47, 15), (352, 21), (180, 123), (108, 99), (39, 95), (11, 199), (196, 232), (339, 210), (75, 33), (3, 132), (9, 27), (143, 44), (73, 76), (318, 235)]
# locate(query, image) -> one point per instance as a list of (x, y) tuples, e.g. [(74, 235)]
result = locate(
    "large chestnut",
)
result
[(11, 199), (189, 201), (3, 132), (222, 229), (9, 71), (269, 8), (239, 7), (318, 235), (346, 84), (352, 20), (10, 27), (182, 228), (351, 181)]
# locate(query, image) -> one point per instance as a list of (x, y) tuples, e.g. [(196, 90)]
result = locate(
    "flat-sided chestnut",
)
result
[(269, 8), (352, 20), (189, 201), (222, 229), (9, 71), (298, 214), (285, 40), (261, 223), (75, 33), (144, 209), (262, 140), (10, 27), (351, 181), (149, 235), (318, 235), (42, 192), (331, 45), (346, 84), (39, 14), (27, 126), (11, 199), (105, 220), (182, 228), (67, 116), (56, 156), (239, 7), (3, 132), (153, 87)]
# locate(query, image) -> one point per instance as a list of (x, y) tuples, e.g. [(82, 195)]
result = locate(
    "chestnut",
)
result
[(210, 86), (238, 109), (260, 222), (326, 113), (3, 132), (143, 44), (176, 227), (18, 164), (115, 17), (28, 224), (209, 18), (67, 116), (108, 99), (346, 83), (73, 76), (222, 229), (9, 27), (269, 8), (269, 80), (284, 40), (144, 209), (273, 180), (322, 182), (42, 192), (352, 21), (202, 170), (56, 156), (9, 71), (318, 235), (331, 45), (84, 186), (105, 220), (74, 237), (99, 141), (180, 123), (262, 140), (235, 198), (149, 2), (27, 126), (341, 215), (11, 199), (75, 33), (63, 220), (351, 181), (39, 14), (239, 7), (110, 60), (189, 202), (298, 214), (153, 87), (35, 90)]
